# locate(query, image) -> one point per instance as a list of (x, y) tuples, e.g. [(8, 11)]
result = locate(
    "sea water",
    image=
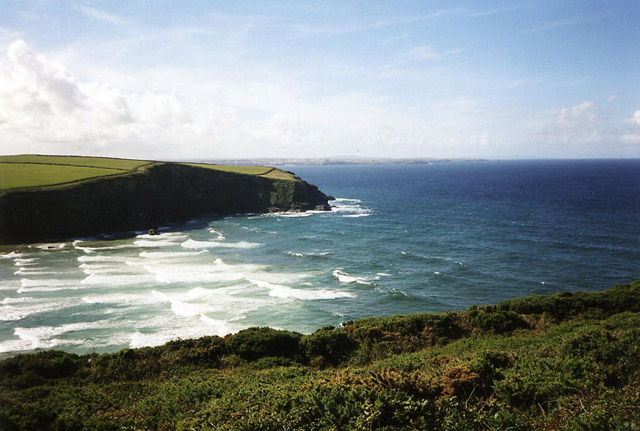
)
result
[(400, 239)]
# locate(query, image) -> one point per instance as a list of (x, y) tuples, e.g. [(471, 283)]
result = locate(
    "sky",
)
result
[(247, 79)]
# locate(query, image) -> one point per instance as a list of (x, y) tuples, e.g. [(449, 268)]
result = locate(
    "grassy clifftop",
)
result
[(59, 197), (33, 170), (567, 361)]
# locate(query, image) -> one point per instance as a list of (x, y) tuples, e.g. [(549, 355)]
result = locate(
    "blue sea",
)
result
[(401, 239)]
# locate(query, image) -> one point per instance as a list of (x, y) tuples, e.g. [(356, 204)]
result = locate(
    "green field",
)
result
[(95, 162), (263, 171), (29, 170), (21, 175)]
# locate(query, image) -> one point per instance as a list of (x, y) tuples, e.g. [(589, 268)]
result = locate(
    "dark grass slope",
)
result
[(566, 361)]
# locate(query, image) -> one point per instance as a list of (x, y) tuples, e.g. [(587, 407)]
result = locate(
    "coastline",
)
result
[(572, 356), (143, 199)]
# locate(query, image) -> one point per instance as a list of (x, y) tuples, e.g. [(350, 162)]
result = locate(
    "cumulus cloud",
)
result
[(594, 130), (577, 115), (43, 108), (580, 124), (632, 133)]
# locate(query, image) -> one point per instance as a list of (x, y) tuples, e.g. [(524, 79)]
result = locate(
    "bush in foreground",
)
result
[(561, 362)]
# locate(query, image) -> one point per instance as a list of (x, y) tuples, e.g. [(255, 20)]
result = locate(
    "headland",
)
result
[(45, 198)]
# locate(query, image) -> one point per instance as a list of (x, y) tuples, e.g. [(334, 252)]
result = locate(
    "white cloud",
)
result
[(425, 53), (45, 109), (580, 125), (101, 15), (181, 112), (632, 132), (631, 138), (577, 115)]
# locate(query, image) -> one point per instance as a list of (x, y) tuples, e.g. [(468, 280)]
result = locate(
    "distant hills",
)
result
[(345, 160)]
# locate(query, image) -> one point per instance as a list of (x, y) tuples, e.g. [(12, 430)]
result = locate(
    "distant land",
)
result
[(342, 160)]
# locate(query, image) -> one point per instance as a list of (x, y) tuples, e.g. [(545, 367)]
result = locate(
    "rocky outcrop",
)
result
[(161, 193)]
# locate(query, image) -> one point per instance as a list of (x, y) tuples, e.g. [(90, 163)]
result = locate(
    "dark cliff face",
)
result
[(161, 194)]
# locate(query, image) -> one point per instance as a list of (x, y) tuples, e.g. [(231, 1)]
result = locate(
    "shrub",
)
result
[(499, 322), (328, 346), (488, 366), (256, 343), (562, 305)]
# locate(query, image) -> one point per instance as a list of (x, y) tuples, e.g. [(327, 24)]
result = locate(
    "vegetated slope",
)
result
[(32, 170), (59, 197), (565, 361)]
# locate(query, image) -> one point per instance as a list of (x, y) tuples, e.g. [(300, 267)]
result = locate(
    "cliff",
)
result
[(151, 195)]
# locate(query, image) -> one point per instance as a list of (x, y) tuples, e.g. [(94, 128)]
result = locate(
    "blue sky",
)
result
[(213, 79)]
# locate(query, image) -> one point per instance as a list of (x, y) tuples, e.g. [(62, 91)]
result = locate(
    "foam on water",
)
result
[(171, 254), (293, 215), (89, 268), (51, 246), (159, 330), (136, 299), (363, 214), (101, 258), (163, 235), (88, 249), (11, 255), (217, 327), (97, 279), (312, 254), (25, 261), (343, 277), (42, 336), (19, 311), (48, 282), (220, 235), (286, 292), (193, 244), (350, 208), (201, 273), (34, 271), (17, 299), (153, 243), (183, 308)]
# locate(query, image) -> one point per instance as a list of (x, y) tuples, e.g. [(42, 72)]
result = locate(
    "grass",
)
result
[(578, 370), (95, 162), (263, 171), (29, 170), (21, 175)]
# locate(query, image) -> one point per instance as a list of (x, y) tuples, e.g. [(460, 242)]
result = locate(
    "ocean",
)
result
[(401, 239)]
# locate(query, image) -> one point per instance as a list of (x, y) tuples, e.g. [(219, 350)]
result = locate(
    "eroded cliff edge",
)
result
[(160, 193)]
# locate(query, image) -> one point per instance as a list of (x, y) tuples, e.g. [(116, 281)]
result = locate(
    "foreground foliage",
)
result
[(565, 361)]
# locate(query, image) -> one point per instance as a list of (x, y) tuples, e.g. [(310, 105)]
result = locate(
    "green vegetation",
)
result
[(96, 162), (20, 175), (32, 171), (569, 361), (263, 171), (52, 198)]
